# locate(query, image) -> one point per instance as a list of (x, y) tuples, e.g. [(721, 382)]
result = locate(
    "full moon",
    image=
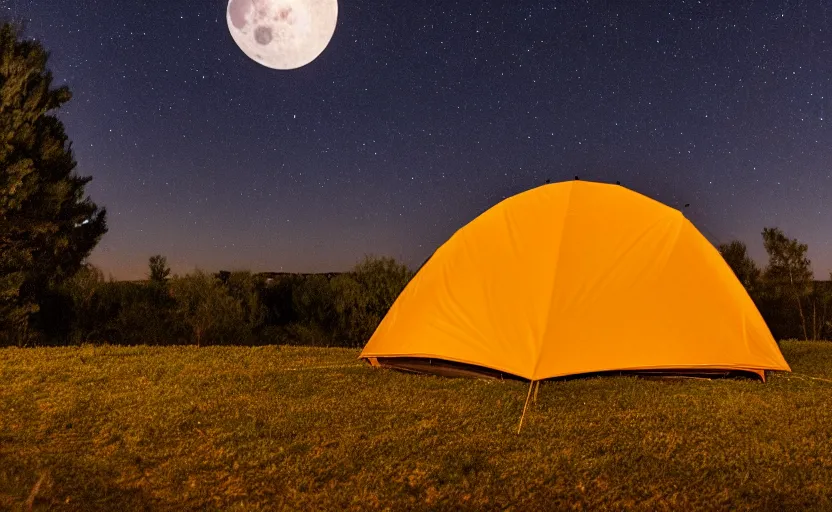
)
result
[(282, 34)]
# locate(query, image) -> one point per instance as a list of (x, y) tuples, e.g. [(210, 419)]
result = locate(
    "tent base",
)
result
[(454, 369), (442, 368)]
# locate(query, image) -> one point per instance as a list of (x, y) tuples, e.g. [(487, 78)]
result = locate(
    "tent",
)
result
[(575, 278)]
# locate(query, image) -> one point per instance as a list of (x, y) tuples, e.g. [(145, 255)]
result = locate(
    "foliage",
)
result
[(343, 310), (278, 301), (382, 279), (297, 428), (230, 307), (313, 302), (124, 313), (363, 297), (820, 307), (144, 314), (316, 310), (736, 255), (82, 290), (788, 273), (159, 270), (47, 226), (212, 313), (246, 288)]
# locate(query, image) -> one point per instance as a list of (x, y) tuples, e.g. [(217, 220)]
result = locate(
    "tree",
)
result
[(205, 305), (81, 290), (312, 302), (826, 325), (245, 287), (821, 300), (382, 280), (789, 270), (363, 296), (736, 255), (47, 226), (159, 270)]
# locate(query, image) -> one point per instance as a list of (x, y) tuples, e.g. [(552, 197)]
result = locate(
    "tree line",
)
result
[(202, 308), (793, 303), (343, 309), (50, 296)]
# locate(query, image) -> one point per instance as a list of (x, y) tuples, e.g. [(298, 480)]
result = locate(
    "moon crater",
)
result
[(263, 35)]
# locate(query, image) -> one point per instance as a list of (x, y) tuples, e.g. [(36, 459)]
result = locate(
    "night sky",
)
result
[(419, 115)]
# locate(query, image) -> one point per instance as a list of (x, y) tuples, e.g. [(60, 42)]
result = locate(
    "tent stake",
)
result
[(531, 385)]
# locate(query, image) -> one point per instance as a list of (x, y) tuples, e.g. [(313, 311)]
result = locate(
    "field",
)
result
[(233, 428)]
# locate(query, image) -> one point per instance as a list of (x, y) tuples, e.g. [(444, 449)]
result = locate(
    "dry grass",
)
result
[(180, 428)]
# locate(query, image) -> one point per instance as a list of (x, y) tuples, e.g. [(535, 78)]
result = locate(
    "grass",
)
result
[(265, 428)]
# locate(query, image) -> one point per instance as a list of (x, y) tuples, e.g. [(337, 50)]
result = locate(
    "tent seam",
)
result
[(673, 245), (559, 245)]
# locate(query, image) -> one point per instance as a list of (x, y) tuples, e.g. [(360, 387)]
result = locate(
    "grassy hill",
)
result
[(180, 428)]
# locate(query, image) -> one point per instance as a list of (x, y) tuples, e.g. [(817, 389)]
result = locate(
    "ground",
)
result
[(265, 428)]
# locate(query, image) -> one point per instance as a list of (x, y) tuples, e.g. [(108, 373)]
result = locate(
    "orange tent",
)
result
[(575, 278)]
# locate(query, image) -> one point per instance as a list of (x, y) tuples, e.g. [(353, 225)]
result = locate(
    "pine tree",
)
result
[(47, 226)]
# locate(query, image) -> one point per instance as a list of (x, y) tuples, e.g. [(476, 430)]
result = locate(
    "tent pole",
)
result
[(531, 385), (536, 389)]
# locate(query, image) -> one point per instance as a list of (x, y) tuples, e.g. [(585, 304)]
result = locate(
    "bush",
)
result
[(82, 290), (364, 296), (128, 313), (192, 309), (342, 311), (277, 299), (355, 322), (86, 309), (313, 303), (247, 289), (229, 308), (145, 317), (205, 305)]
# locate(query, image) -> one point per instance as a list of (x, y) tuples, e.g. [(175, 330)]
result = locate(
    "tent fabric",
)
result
[(578, 277)]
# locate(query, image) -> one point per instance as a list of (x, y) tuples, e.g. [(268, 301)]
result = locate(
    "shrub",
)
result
[(382, 279), (313, 303), (355, 321), (146, 316), (82, 290), (341, 311), (131, 313), (277, 299), (363, 296), (209, 310), (246, 288)]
